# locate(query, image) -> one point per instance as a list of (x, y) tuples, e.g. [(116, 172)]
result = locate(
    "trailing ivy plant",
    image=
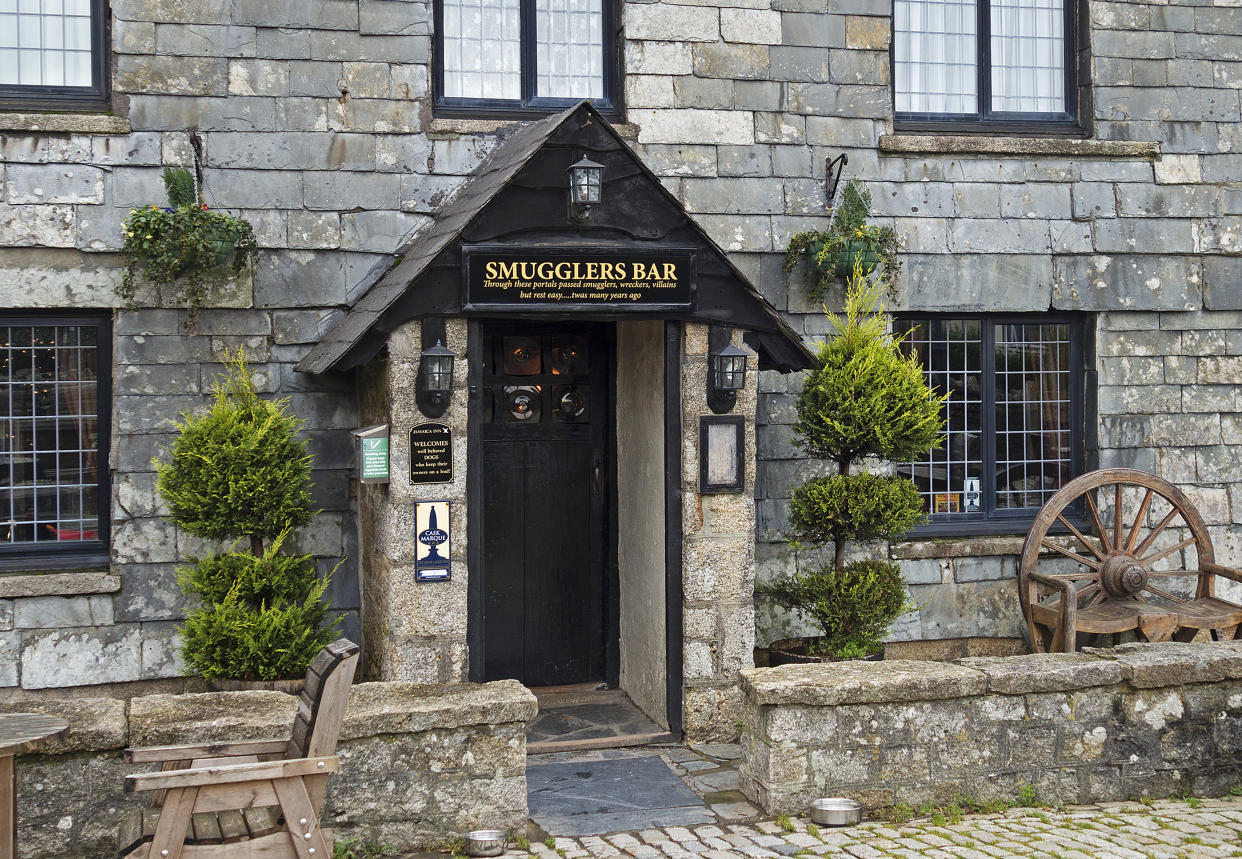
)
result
[(849, 241), (865, 399), (185, 240), (240, 473)]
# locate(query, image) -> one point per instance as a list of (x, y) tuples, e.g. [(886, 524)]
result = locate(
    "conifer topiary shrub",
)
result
[(240, 473), (866, 399)]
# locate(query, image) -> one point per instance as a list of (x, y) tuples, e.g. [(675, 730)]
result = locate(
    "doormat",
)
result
[(618, 795)]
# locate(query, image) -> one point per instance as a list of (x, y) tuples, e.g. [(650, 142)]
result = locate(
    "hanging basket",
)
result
[(223, 243), (856, 250)]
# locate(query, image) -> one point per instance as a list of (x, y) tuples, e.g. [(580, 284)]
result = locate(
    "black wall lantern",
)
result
[(585, 183), (726, 372), (435, 370)]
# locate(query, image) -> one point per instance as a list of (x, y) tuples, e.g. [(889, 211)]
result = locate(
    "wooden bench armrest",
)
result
[(159, 754), (232, 774), (1065, 586), (1223, 571)]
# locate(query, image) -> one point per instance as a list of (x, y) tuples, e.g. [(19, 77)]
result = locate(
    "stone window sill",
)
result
[(968, 547), (64, 123), (450, 125), (957, 144), (73, 583)]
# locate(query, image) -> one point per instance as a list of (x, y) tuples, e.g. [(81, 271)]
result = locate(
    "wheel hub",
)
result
[(1123, 575)]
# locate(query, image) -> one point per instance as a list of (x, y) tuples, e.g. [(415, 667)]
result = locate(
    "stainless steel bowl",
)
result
[(836, 811), (486, 842)]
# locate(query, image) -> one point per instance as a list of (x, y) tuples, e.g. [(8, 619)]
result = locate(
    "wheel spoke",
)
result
[(1099, 523), (1151, 538), (1086, 562), (1080, 537), (1151, 559), (1117, 523), (1075, 577), (1138, 519), (1161, 592)]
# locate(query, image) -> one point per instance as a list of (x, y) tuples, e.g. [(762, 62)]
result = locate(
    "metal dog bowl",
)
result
[(836, 811), (486, 842)]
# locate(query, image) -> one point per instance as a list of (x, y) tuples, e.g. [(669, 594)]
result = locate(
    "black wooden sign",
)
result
[(431, 454), (593, 279)]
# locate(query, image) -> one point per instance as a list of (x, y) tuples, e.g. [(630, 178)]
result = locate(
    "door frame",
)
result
[(674, 597)]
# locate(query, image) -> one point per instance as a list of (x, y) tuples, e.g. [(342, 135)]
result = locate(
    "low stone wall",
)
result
[(1107, 724), (420, 764)]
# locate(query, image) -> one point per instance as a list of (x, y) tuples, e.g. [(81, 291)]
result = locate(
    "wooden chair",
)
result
[(254, 798), (1106, 581)]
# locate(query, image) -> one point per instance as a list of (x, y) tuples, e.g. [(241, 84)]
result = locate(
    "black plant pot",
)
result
[(792, 651)]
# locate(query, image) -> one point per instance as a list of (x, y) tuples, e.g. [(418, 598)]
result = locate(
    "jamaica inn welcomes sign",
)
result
[(591, 279)]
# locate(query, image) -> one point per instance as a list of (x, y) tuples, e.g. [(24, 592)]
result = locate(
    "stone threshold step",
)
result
[(547, 747)]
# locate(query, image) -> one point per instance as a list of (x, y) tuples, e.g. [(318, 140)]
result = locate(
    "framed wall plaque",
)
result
[(722, 466), (431, 454), (433, 541)]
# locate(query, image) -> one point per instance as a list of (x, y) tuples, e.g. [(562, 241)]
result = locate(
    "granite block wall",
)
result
[(314, 121), (1140, 720)]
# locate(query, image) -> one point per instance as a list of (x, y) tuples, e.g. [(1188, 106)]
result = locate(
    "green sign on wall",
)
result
[(373, 454)]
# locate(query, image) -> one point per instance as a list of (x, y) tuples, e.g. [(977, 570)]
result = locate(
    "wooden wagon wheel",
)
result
[(1113, 584)]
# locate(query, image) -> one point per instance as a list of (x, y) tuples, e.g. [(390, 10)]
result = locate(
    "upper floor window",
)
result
[(1014, 420), (53, 53), (53, 440), (994, 64), (523, 56)]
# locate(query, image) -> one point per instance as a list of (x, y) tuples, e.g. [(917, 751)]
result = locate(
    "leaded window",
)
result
[(1013, 418), (984, 62), (523, 55), (53, 438), (53, 52)]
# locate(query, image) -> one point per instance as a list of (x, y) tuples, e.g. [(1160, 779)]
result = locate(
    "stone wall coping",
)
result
[(987, 145), (1144, 665), (452, 126), (94, 723), (99, 724), (65, 123), (828, 684), (1045, 672), (58, 584)]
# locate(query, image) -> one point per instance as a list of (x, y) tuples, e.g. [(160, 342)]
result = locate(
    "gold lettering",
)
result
[(490, 271), (619, 271), (506, 271), (640, 271), (592, 271), (545, 270), (670, 271), (562, 270)]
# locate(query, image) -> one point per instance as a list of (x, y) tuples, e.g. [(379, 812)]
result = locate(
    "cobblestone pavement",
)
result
[(1164, 829)]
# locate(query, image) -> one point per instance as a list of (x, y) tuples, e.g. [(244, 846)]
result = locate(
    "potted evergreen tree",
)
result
[(240, 473), (866, 399)]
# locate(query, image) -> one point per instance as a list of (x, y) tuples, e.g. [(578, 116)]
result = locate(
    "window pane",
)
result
[(934, 56), (48, 43), (950, 477), (49, 457), (482, 41), (1032, 413), (570, 48), (1028, 56)]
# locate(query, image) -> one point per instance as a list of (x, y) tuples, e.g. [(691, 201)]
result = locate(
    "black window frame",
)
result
[(529, 105), (85, 99), (1083, 441), (1066, 123), (85, 553)]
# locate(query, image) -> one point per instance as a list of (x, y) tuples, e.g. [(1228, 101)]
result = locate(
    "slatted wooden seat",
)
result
[(1145, 565), (253, 798)]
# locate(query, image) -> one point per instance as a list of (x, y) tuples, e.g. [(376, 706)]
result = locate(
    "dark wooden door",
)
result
[(545, 486)]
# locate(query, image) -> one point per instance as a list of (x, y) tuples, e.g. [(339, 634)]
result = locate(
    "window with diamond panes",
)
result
[(984, 62), (523, 55), (52, 51), (1012, 417), (53, 432)]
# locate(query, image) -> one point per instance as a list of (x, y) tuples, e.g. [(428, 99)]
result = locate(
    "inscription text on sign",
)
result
[(431, 454), (578, 279)]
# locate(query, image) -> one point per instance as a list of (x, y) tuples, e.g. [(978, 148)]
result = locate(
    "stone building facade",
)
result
[(315, 120)]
